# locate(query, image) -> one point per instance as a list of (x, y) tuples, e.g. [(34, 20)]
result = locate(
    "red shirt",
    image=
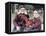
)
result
[(36, 23)]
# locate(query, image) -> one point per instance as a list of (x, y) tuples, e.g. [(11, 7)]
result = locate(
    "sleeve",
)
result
[(15, 21)]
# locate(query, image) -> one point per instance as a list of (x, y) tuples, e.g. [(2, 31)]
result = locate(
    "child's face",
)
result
[(35, 14), (23, 10)]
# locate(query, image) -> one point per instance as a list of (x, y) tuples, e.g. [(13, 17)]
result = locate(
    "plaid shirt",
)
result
[(36, 23)]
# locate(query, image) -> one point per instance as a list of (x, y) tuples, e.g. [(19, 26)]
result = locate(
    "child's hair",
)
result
[(36, 13), (21, 6)]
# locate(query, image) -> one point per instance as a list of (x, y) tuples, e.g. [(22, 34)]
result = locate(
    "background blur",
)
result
[(30, 10)]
